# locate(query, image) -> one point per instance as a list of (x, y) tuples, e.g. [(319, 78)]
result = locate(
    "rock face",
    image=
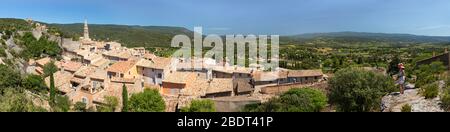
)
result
[(394, 102), (12, 45), (37, 33)]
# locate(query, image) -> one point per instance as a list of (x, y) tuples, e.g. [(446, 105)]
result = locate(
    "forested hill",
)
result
[(161, 36), (131, 36), (13, 24), (369, 37)]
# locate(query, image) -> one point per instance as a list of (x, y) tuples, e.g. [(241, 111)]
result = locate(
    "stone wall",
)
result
[(445, 58), (233, 105), (286, 87)]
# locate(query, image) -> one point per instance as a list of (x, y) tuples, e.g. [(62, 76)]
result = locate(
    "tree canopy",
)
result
[(358, 90), (12, 100), (200, 106), (295, 100), (147, 101), (111, 103)]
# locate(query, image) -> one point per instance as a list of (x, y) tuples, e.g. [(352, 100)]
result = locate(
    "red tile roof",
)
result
[(71, 66), (122, 67), (305, 73)]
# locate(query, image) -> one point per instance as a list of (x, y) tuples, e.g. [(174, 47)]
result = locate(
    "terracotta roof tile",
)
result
[(43, 61), (269, 76), (62, 81), (99, 74), (85, 71), (179, 77), (305, 73), (122, 67), (71, 66)]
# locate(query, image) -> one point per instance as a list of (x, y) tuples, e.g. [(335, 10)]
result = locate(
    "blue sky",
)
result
[(283, 17)]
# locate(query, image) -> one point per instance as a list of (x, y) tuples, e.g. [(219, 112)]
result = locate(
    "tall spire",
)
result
[(86, 31)]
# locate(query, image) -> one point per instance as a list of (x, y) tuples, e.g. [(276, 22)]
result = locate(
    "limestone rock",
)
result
[(394, 102)]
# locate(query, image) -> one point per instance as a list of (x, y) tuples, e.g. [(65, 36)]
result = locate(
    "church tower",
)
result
[(86, 31)]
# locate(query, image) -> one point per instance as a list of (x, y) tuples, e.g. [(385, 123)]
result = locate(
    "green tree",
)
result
[(12, 100), (49, 69), (147, 101), (62, 104), (124, 98), (34, 83), (200, 106), (9, 77), (52, 89), (34, 48), (111, 104), (427, 75), (304, 100), (358, 90), (437, 67), (295, 100), (80, 107), (393, 65)]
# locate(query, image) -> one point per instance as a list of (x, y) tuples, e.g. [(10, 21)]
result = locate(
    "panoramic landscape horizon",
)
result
[(218, 64), (191, 28), (288, 17)]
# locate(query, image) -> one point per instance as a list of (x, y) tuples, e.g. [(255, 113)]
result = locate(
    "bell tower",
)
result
[(86, 31)]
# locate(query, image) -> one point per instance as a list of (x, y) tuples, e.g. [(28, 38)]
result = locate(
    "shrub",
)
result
[(34, 83), (430, 91), (295, 100), (200, 106), (3, 42), (9, 77), (304, 100), (427, 74), (445, 100), (79, 107), (61, 104), (124, 98), (2, 52), (273, 105), (111, 103), (406, 108), (358, 90), (13, 100), (448, 82), (147, 101)]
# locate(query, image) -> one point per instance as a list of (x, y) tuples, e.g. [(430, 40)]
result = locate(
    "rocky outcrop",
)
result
[(37, 33), (12, 45), (394, 102)]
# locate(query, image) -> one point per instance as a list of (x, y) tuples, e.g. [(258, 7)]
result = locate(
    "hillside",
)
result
[(13, 24), (161, 36), (362, 37), (131, 36)]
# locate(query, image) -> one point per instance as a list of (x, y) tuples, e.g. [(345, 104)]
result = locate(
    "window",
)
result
[(159, 75), (85, 100), (94, 84)]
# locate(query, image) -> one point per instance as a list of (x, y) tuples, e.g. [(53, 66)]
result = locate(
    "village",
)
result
[(91, 70)]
